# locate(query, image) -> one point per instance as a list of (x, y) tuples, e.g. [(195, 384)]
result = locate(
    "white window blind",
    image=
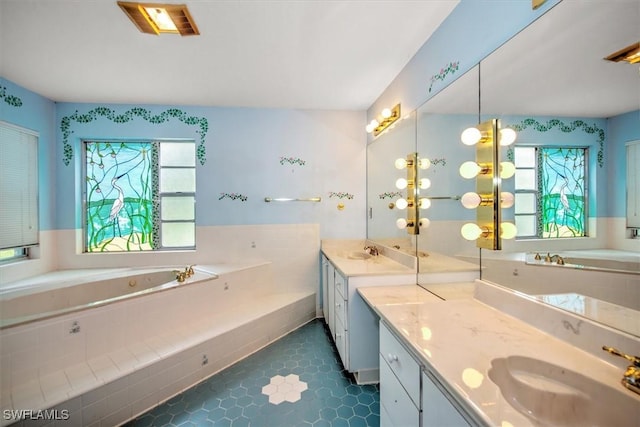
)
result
[(18, 187)]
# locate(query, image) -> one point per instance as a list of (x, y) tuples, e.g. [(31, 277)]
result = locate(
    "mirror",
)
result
[(394, 143), (551, 83), (552, 73)]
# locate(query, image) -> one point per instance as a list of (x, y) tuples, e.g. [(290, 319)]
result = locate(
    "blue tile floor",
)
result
[(295, 381)]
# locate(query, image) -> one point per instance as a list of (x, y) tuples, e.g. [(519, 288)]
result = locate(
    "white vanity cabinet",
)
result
[(410, 396), (353, 324)]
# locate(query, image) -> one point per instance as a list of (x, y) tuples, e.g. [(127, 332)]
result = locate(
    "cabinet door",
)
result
[(325, 288), (394, 400), (331, 288), (437, 409)]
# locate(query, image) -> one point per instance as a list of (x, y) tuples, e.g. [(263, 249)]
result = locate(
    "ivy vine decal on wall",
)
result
[(340, 195), (129, 115), (389, 195), (233, 196), (292, 161), (564, 127), (451, 68), (436, 162), (12, 100)]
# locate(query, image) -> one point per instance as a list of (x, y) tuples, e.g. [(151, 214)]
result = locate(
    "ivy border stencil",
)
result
[(564, 127), (12, 100), (129, 115), (451, 68)]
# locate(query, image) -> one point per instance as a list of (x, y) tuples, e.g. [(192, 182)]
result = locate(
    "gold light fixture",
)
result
[(413, 202), (386, 119), (156, 18), (488, 172), (630, 54)]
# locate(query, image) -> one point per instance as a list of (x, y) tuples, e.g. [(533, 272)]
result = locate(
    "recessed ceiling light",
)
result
[(631, 54), (156, 18)]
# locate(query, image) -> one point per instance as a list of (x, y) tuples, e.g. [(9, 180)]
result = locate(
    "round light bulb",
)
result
[(424, 222), (508, 230), (507, 170), (425, 183), (471, 136), (401, 163), (374, 123), (470, 231), (402, 204), (386, 113), (470, 200), (425, 203), (401, 183), (369, 128), (401, 223), (424, 163), (469, 170), (507, 136), (506, 199)]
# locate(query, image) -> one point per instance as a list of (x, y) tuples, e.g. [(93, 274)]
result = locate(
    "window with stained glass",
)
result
[(139, 196), (551, 193)]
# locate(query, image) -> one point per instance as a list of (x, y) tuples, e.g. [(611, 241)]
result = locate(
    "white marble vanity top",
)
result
[(459, 338), (341, 255)]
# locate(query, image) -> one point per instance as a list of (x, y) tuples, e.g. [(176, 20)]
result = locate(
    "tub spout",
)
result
[(189, 270), (181, 276), (558, 259)]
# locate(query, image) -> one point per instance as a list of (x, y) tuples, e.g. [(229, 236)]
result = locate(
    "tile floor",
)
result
[(296, 381)]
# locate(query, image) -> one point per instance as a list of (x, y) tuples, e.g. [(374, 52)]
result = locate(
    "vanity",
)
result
[(463, 362)]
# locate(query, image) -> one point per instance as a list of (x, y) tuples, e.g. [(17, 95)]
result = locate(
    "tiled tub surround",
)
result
[(457, 340), (540, 278), (61, 292), (113, 362)]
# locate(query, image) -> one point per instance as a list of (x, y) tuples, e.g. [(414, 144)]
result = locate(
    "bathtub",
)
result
[(594, 259), (608, 275), (70, 291), (117, 355)]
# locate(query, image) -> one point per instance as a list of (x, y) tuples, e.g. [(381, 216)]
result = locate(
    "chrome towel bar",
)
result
[(286, 199)]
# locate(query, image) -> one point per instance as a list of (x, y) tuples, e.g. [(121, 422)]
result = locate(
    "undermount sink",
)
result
[(358, 255), (553, 395)]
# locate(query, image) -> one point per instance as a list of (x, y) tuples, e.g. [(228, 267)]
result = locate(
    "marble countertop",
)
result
[(340, 252), (459, 338)]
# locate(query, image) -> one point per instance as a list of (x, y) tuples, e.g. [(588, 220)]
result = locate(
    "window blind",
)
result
[(18, 187)]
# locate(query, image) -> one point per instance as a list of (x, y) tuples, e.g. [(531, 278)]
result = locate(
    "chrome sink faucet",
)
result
[(631, 377)]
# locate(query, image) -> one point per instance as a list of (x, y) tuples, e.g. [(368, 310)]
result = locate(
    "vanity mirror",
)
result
[(574, 113)]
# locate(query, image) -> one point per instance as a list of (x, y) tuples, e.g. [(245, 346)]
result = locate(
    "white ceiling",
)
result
[(307, 54)]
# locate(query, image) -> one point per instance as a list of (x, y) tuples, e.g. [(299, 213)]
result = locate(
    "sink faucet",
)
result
[(372, 250), (181, 275), (631, 377), (558, 258)]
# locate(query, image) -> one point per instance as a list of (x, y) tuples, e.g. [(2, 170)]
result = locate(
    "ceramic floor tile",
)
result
[(315, 390)]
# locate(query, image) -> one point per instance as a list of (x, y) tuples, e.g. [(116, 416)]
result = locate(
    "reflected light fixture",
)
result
[(630, 54), (156, 18), (388, 116)]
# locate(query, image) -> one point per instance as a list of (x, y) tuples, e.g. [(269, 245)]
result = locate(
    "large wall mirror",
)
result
[(551, 84)]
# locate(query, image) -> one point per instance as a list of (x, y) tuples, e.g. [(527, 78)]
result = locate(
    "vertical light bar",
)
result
[(488, 216)]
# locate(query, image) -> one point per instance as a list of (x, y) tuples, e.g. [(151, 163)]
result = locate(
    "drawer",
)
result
[(400, 361), (340, 309), (395, 403), (341, 285)]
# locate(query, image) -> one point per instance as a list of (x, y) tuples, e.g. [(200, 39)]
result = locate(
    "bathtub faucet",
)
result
[(631, 377), (189, 270), (559, 260)]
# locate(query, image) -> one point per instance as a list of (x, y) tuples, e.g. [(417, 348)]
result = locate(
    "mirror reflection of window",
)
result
[(550, 192)]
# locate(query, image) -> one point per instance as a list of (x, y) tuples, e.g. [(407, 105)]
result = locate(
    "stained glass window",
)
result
[(551, 194), (140, 196)]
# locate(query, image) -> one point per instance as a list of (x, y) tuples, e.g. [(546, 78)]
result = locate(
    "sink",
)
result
[(358, 255), (552, 395)]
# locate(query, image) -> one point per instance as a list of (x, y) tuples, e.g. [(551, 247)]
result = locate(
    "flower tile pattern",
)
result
[(282, 389), (303, 363)]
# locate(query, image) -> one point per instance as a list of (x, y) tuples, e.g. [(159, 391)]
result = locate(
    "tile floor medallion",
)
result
[(297, 381)]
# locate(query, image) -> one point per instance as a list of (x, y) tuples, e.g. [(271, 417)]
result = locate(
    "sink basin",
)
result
[(358, 255), (553, 395)]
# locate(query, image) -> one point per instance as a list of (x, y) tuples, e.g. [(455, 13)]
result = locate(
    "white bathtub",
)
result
[(116, 357), (594, 259), (70, 291)]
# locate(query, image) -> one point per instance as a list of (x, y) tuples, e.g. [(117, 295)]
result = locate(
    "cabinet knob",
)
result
[(392, 358)]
